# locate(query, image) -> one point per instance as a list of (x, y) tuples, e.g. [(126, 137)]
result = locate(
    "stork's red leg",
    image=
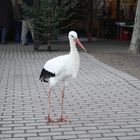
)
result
[(49, 101), (62, 119)]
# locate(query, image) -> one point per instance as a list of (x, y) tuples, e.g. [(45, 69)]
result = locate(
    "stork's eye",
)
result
[(72, 36)]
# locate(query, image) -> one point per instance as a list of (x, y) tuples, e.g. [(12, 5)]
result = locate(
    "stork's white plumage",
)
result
[(62, 68)]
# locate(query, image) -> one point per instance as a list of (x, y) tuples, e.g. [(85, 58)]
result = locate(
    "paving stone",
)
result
[(12, 132), (114, 134), (130, 138), (89, 135), (107, 138), (63, 137), (25, 135), (82, 139), (5, 136), (39, 138), (13, 139)]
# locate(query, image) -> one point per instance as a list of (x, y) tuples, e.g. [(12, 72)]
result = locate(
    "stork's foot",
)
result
[(62, 119), (50, 120)]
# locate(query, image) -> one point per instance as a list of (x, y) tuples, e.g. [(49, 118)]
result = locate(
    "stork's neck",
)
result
[(73, 48), (74, 58)]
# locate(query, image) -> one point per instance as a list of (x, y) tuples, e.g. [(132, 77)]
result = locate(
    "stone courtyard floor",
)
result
[(102, 103)]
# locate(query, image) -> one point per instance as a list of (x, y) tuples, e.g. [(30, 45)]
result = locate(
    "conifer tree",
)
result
[(50, 19)]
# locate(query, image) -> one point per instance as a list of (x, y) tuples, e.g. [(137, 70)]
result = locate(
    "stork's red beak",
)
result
[(79, 43)]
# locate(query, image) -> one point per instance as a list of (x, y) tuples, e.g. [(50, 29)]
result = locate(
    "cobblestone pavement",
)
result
[(101, 104)]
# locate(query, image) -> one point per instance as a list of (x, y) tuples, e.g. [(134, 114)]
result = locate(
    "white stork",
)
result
[(62, 68)]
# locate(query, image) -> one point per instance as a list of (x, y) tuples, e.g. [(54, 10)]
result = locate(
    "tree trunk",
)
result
[(135, 41), (49, 42)]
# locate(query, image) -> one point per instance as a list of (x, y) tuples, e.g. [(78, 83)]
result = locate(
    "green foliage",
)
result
[(51, 17), (27, 12)]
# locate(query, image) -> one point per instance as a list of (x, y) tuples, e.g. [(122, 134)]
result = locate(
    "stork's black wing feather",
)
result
[(45, 75)]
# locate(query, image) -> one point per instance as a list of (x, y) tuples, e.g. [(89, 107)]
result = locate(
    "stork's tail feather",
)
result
[(45, 75)]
